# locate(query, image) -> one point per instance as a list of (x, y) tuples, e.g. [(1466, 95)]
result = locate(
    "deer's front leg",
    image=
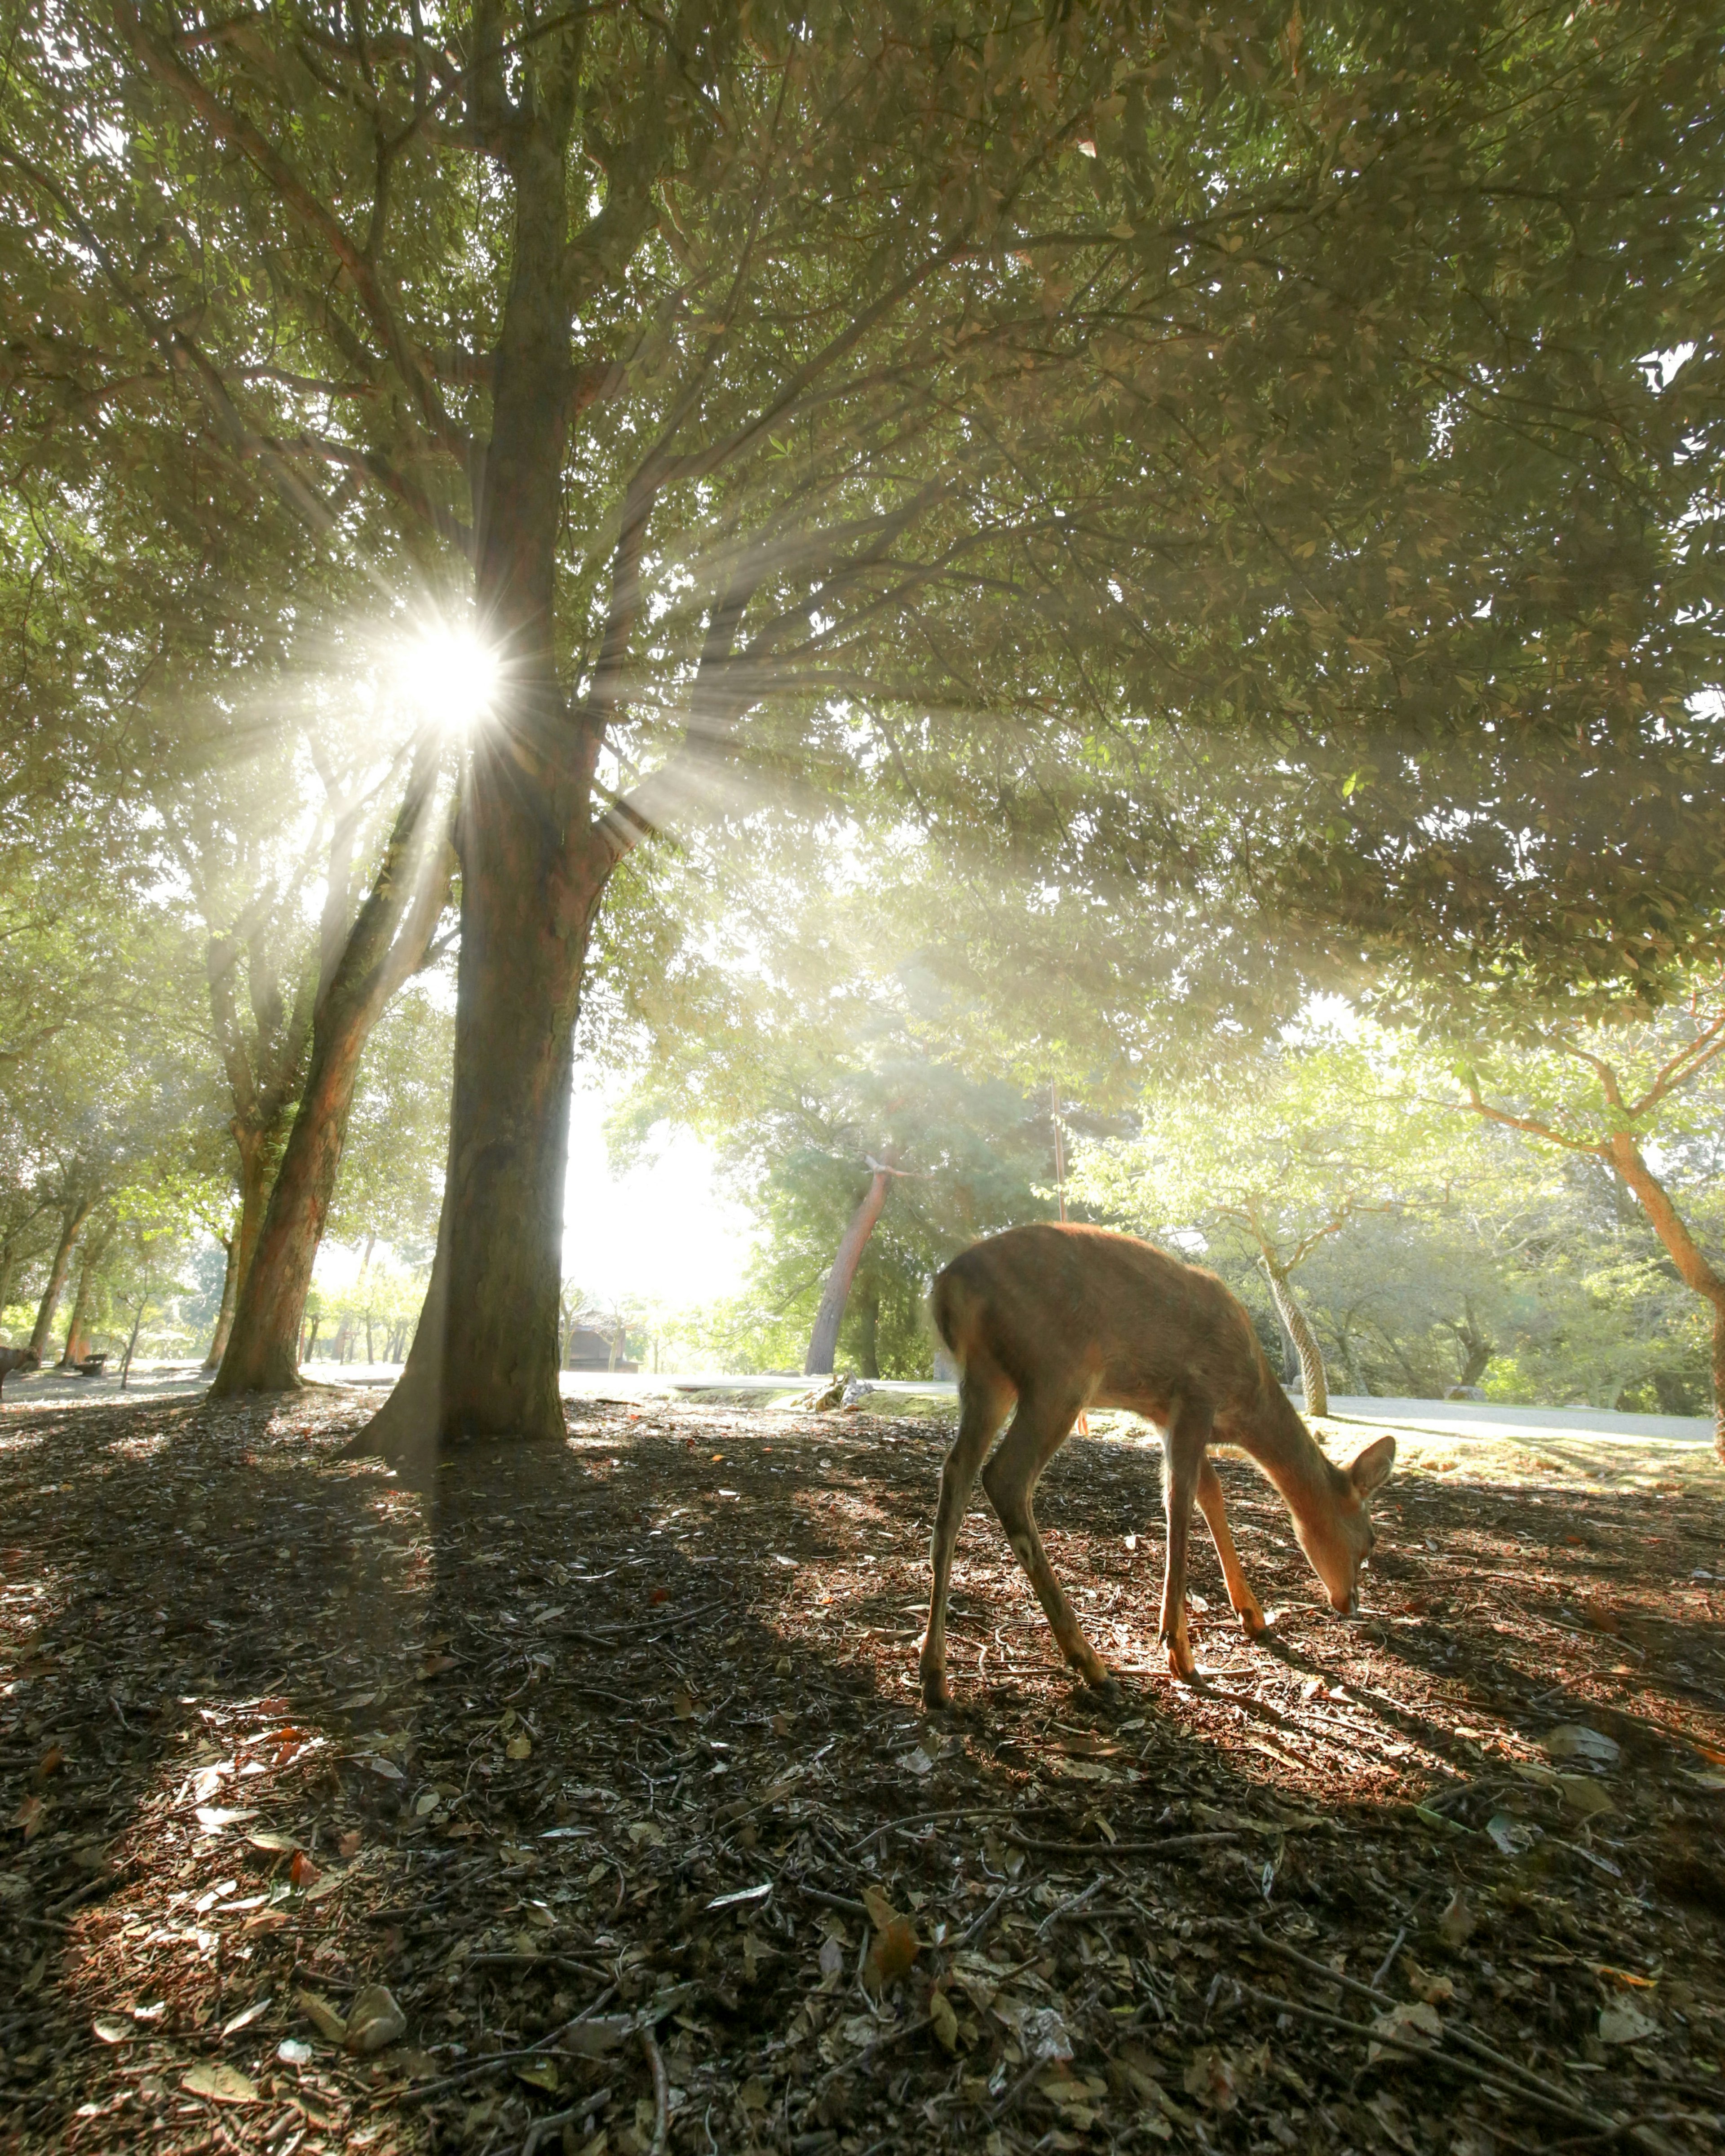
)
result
[(1182, 1445), (1246, 1605)]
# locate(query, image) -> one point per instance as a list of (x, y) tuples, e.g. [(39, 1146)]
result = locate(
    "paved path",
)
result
[(1461, 1420)]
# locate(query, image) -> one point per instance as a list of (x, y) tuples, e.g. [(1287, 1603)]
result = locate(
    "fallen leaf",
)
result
[(374, 2020), (1458, 1923), (293, 2052), (519, 1747), (540, 2074), (111, 2030), (30, 1815), (1511, 1836), (273, 1839), (1039, 2030), (1210, 2078), (1583, 1797), (1626, 2023), (51, 1761), (592, 2039), (302, 1871), (216, 1819), (1573, 1740), (1412, 2020), (943, 2020), (322, 2016), (254, 2012), (220, 2084), (742, 1896)]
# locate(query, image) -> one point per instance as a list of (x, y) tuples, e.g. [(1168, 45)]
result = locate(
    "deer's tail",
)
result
[(945, 1306)]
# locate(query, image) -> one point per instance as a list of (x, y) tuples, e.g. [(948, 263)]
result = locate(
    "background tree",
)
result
[(1611, 1091), (867, 1161), (1282, 1151)]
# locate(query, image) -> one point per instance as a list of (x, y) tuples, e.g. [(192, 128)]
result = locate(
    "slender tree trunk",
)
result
[(868, 1339), (230, 1290), (77, 1345), (311, 1341), (259, 1355), (72, 1221), (823, 1340), (131, 1345), (1311, 1362), (1694, 1266), (254, 1180), (388, 941)]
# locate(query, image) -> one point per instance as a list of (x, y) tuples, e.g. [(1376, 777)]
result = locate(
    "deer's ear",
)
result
[(1369, 1471)]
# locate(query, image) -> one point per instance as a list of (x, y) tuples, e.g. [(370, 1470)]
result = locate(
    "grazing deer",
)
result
[(1064, 1318), (16, 1358)]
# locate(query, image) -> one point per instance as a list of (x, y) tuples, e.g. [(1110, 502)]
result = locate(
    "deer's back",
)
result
[(1058, 1303)]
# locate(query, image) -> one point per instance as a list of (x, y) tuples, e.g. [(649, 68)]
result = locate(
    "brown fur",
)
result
[(16, 1358), (1061, 1318)]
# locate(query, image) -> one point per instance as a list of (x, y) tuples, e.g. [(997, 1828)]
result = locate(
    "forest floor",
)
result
[(592, 1790)]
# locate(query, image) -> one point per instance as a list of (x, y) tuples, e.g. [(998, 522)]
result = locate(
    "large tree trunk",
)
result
[(823, 1340), (1694, 1266), (483, 1361), (72, 1221), (1312, 1374), (230, 1290), (534, 867)]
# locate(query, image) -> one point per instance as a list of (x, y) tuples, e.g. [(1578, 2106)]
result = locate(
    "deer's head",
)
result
[(1338, 1536)]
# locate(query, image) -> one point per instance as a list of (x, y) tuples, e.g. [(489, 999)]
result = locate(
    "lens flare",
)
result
[(450, 676)]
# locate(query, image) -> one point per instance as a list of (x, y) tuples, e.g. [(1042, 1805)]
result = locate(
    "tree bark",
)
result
[(1312, 1374), (867, 1341), (534, 868), (823, 1340), (77, 1345), (388, 941), (230, 1290), (1694, 1268), (72, 1221)]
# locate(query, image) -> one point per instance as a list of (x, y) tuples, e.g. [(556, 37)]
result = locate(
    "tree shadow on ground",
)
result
[(623, 1729)]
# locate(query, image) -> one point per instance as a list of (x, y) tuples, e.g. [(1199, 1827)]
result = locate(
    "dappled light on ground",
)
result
[(591, 1788)]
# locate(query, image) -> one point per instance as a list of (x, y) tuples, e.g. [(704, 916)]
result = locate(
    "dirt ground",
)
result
[(592, 1790)]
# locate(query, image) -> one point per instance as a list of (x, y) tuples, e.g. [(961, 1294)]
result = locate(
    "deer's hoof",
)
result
[(936, 1692), (1181, 1665), (1252, 1620)]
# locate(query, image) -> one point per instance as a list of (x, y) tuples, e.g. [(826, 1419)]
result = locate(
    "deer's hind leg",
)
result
[(1038, 1429), (984, 1397), (1246, 1605)]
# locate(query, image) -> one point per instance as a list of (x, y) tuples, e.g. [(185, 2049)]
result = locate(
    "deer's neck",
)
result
[(1289, 1455)]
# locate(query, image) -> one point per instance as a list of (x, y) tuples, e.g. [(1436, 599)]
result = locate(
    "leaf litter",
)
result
[(530, 1813)]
